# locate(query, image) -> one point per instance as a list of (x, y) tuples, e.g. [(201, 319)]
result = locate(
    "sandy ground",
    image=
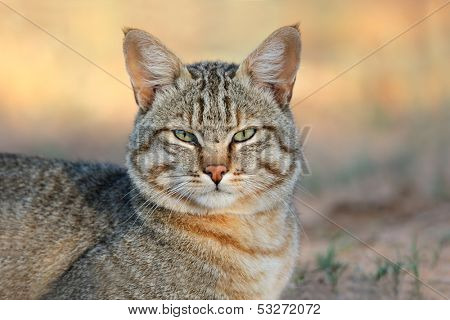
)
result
[(414, 234)]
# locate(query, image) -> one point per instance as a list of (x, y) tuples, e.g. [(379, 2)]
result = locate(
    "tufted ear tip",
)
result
[(296, 26), (125, 30)]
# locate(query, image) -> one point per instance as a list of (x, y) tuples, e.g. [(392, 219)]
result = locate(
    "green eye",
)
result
[(185, 136), (244, 135)]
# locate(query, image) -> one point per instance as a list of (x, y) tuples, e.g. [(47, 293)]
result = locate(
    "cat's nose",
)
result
[(216, 172)]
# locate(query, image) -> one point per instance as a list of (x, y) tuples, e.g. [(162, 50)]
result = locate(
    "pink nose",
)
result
[(216, 172)]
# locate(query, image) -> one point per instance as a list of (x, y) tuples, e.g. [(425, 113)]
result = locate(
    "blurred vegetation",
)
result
[(329, 264), (395, 271)]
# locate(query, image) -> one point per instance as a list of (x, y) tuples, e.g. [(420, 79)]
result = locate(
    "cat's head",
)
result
[(212, 136)]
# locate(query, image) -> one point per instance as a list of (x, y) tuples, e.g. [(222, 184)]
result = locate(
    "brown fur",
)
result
[(161, 228)]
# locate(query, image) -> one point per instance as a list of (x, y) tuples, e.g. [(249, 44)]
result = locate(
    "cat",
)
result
[(202, 209)]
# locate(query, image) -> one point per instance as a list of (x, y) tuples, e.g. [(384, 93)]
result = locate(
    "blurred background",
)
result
[(379, 149)]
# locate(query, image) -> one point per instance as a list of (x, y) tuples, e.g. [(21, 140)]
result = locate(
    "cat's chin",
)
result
[(216, 199)]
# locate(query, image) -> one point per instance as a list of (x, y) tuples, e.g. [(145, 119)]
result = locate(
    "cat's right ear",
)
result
[(150, 65)]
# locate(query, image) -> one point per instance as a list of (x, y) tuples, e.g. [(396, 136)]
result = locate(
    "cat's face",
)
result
[(211, 138)]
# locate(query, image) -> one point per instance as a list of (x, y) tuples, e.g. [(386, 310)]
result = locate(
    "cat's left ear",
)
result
[(150, 64), (274, 64)]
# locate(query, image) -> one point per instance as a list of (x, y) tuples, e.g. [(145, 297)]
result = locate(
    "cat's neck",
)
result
[(253, 253), (256, 252)]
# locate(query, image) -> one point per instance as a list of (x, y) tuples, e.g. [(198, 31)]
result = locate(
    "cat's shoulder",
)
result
[(60, 183), (17, 168), (14, 160)]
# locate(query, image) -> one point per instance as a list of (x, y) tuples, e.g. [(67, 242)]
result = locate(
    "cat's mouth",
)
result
[(219, 189), (216, 198)]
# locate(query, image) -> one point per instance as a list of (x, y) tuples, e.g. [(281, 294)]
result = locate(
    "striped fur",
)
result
[(160, 228)]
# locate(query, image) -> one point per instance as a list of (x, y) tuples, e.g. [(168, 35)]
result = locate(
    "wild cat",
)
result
[(202, 208)]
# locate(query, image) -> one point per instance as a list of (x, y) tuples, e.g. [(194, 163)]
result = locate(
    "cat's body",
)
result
[(68, 230), (202, 210)]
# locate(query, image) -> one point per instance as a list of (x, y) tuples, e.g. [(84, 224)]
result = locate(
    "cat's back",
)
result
[(34, 182), (51, 211)]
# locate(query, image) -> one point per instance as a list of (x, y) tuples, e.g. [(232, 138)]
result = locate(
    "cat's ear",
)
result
[(274, 64), (150, 65)]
